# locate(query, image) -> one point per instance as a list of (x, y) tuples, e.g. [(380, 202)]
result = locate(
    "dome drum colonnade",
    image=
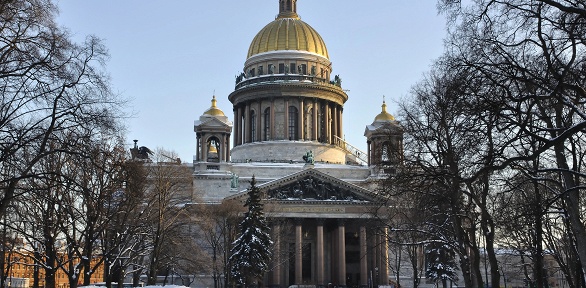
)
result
[(287, 112)]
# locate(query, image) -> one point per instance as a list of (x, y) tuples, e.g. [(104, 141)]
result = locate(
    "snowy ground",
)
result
[(156, 286)]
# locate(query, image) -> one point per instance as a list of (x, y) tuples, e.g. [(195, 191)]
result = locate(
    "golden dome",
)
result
[(288, 32), (384, 115), (214, 110)]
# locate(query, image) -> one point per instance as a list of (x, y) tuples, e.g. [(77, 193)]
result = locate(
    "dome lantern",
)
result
[(288, 33), (288, 9)]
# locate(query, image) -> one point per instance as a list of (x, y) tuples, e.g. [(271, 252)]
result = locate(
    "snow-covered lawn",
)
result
[(154, 286)]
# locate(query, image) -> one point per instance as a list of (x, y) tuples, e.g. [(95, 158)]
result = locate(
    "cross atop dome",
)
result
[(288, 9), (384, 115)]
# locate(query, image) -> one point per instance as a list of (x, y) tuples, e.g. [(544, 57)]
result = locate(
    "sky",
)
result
[(170, 57)]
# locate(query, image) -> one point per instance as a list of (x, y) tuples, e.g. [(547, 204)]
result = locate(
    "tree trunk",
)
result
[(87, 265), (136, 276), (487, 227), (459, 232), (3, 263), (572, 201), (414, 266), (107, 273), (495, 277), (464, 258), (121, 278), (538, 250), (475, 266), (36, 267), (51, 257)]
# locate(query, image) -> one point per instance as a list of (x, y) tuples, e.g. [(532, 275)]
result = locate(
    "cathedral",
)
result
[(320, 193)]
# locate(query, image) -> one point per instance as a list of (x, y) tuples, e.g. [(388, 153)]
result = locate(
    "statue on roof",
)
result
[(308, 157), (234, 181)]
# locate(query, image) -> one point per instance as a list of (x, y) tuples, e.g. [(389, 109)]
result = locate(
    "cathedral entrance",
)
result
[(323, 253)]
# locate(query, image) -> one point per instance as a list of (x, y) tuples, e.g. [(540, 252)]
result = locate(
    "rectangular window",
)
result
[(292, 68), (252, 72), (260, 71), (293, 118), (281, 68), (303, 69)]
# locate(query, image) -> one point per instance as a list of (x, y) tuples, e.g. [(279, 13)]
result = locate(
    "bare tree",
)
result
[(216, 224), (49, 86), (533, 51), (44, 207), (447, 143), (169, 185), (92, 180), (123, 240)]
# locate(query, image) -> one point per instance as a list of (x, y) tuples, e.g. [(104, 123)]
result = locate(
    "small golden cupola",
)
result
[(212, 130), (384, 116), (214, 110), (384, 138)]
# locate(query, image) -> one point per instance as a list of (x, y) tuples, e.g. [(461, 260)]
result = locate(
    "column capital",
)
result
[(275, 221)]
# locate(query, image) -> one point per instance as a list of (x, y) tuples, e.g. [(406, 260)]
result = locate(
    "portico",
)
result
[(328, 252), (326, 232)]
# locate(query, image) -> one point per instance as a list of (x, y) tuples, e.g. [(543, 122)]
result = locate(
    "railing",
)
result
[(286, 77), (281, 161), (360, 155)]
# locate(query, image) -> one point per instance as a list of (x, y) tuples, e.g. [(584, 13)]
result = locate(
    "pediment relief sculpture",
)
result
[(312, 188)]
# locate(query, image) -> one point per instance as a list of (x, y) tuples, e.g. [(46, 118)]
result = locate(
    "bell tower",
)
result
[(213, 135), (385, 142)]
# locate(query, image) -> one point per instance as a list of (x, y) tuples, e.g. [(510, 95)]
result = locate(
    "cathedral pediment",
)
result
[(311, 185)]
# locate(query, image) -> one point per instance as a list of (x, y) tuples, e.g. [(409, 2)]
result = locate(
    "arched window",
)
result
[(267, 124), (293, 116), (385, 152), (252, 126)]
